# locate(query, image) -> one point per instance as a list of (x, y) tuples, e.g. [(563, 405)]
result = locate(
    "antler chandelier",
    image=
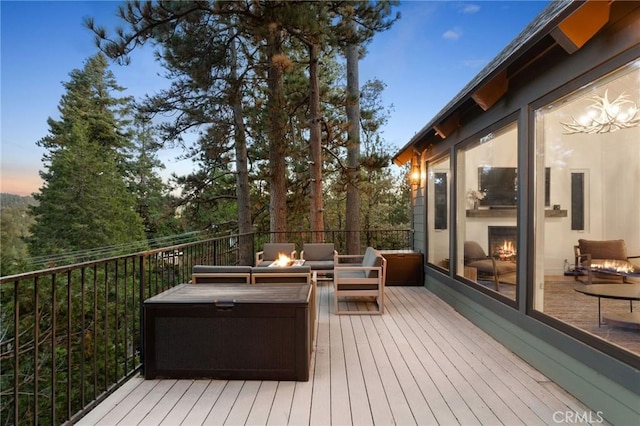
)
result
[(604, 116)]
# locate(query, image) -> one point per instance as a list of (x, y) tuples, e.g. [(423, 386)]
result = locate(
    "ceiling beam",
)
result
[(492, 91), (403, 157), (581, 25), (448, 126)]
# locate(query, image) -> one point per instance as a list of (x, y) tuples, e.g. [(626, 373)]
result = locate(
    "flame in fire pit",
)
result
[(282, 260)]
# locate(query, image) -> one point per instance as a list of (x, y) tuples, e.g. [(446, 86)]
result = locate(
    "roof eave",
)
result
[(490, 83)]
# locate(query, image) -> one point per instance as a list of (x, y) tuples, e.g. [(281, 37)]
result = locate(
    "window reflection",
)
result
[(438, 212), (487, 211), (590, 141)]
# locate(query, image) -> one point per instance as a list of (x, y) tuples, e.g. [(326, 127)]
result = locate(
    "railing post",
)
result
[(16, 352), (141, 310)]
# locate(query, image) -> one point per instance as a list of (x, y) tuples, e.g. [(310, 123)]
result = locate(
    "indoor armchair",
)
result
[(606, 257), (475, 257)]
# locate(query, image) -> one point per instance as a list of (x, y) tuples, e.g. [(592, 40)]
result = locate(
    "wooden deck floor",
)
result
[(419, 363)]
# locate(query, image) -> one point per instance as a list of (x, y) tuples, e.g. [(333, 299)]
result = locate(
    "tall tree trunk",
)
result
[(276, 136), (315, 145), (245, 243), (353, 151)]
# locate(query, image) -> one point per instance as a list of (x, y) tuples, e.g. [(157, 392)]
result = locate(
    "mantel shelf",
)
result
[(510, 213)]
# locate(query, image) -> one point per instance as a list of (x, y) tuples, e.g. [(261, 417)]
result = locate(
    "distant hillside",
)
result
[(13, 200)]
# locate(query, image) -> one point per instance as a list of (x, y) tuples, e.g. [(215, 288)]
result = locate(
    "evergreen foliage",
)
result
[(14, 229), (154, 204), (258, 82), (85, 202)]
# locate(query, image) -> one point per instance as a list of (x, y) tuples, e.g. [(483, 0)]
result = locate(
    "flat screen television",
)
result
[(501, 186)]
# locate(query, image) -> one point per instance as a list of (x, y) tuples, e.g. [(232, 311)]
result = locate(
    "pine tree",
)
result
[(153, 202), (84, 202), (239, 72)]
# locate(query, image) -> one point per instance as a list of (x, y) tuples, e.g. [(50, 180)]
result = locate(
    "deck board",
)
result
[(281, 405), (339, 386), (188, 400), (419, 363)]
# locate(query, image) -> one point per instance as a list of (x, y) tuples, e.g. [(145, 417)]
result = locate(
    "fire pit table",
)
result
[(229, 331)]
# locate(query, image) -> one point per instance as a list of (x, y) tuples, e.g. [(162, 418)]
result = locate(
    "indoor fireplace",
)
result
[(503, 242)]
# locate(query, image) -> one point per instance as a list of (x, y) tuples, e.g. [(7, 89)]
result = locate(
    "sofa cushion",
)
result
[(230, 269), (215, 274)]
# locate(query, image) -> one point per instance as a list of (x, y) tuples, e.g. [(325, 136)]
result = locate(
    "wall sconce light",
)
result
[(603, 116), (414, 174)]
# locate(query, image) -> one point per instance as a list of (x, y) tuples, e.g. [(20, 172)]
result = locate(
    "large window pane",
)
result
[(590, 140), (487, 211), (438, 212)]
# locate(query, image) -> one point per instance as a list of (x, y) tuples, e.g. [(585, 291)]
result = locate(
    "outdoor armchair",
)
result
[(359, 276), (319, 256), (271, 251)]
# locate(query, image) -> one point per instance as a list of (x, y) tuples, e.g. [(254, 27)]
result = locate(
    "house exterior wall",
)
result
[(417, 210), (605, 383)]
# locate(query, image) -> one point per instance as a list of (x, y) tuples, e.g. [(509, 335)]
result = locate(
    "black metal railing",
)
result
[(70, 335), (389, 239)]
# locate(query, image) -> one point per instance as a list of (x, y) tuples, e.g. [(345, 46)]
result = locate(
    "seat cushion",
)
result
[(357, 274), (486, 266), (319, 264), (505, 267)]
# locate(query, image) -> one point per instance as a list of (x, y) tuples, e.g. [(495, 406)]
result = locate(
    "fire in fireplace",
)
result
[(503, 242)]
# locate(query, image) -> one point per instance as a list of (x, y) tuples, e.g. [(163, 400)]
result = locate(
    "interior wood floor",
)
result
[(420, 363), (562, 302)]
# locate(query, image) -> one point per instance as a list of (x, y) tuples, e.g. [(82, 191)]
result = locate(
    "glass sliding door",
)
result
[(438, 207), (590, 141), (487, 191)]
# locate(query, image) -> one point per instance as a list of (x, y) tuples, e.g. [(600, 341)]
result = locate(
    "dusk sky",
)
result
[(427, 57)]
